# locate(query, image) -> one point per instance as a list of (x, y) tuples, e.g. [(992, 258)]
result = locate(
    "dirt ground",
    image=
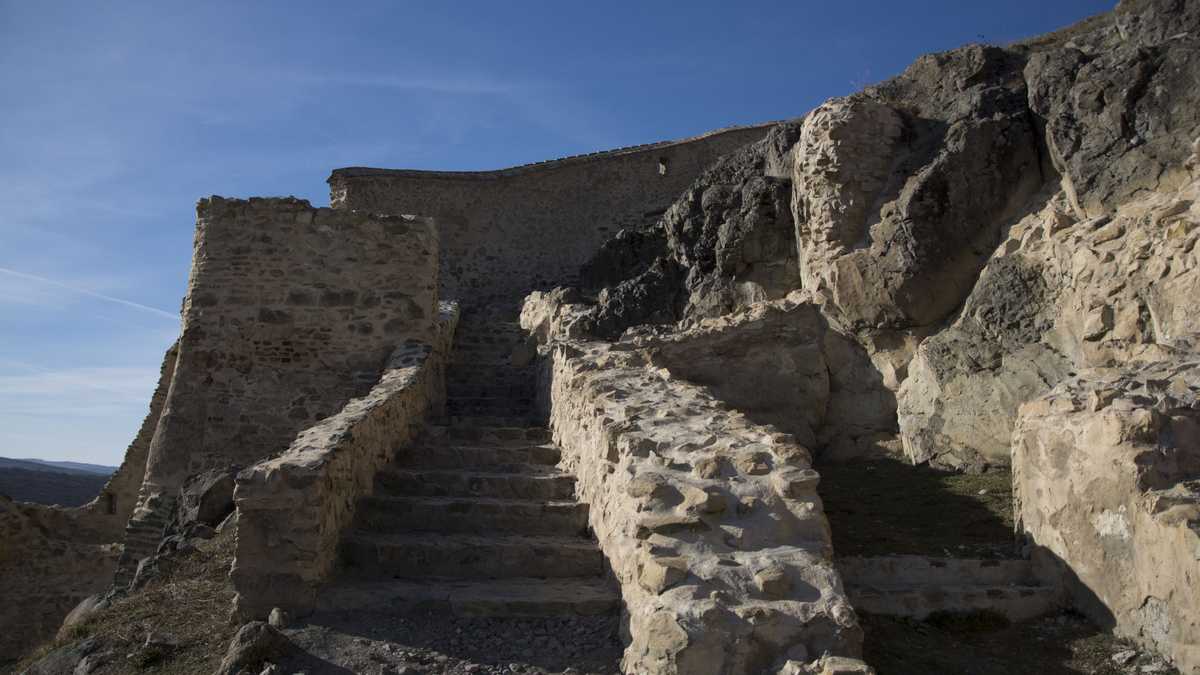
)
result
[(383, 644), (889, 507)]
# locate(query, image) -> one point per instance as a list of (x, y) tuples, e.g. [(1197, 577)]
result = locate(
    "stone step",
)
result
[(502, 415), (487, 401), (468, 431), (470, 556), (1018, 603), (489, 373), (485, 390), (908, 571), (541, 483), (498, 417), (503, 335), (519, 597), (475, 420), (489, 404), (471, 514), (507, 458)]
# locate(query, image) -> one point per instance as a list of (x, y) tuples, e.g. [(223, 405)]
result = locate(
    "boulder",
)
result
[(207, 497), (254, 644)]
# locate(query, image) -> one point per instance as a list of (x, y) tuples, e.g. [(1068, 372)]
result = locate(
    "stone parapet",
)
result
[(293, 508), (507, 232), (710, 523)]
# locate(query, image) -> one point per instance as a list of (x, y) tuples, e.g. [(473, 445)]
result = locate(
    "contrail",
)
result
[(93, 294)]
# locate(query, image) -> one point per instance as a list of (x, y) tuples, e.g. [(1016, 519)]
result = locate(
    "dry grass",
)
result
[(189, 607)]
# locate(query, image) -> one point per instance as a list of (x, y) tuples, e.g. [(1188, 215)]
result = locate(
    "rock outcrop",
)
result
[(900, 191), (1107, 478), (1103, 264), (726, 242)]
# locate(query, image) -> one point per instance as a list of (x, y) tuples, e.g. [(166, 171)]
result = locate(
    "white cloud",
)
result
[(39, 280)]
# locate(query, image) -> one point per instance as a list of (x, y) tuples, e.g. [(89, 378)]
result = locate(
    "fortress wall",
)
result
[(292, 509), (290, 312), (504, 233)]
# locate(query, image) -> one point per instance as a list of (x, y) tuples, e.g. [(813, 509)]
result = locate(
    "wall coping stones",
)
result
[(543, 165)]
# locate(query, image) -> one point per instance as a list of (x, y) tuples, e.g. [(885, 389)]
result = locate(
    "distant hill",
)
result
[(41, 464), (64, 483)]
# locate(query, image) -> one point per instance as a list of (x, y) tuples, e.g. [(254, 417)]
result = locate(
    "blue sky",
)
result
[(117, 117)]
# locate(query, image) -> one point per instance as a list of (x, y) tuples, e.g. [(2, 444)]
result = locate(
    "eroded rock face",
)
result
[(1120, 103), (1102, 268), (1125, 442), (1058, 296), (900, 192)]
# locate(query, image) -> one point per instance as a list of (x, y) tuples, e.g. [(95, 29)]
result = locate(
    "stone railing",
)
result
[(293, 508), (710, 523)]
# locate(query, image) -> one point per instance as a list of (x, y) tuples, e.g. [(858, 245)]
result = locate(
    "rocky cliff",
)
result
[(992, 222)]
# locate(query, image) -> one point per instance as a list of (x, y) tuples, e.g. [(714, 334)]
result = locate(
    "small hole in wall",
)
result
[(662, 166), (110, 503)]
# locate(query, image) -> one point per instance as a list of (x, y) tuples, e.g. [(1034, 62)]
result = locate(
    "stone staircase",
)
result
[(476, 519), (143, 534), (917, 586)]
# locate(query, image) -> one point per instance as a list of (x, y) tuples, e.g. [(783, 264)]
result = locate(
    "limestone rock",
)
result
[(1112, 492), (900, 192), (1032, 319), (78, 658), (1118, 103), (783, 363), (82, 611)]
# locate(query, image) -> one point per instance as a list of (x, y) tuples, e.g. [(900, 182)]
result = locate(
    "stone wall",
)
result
[(290, 312), (506, 232), (292, 508), (710, 523), (1107, 481)]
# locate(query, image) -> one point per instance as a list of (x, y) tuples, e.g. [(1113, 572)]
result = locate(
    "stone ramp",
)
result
[(918, 586), (476, 519)]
